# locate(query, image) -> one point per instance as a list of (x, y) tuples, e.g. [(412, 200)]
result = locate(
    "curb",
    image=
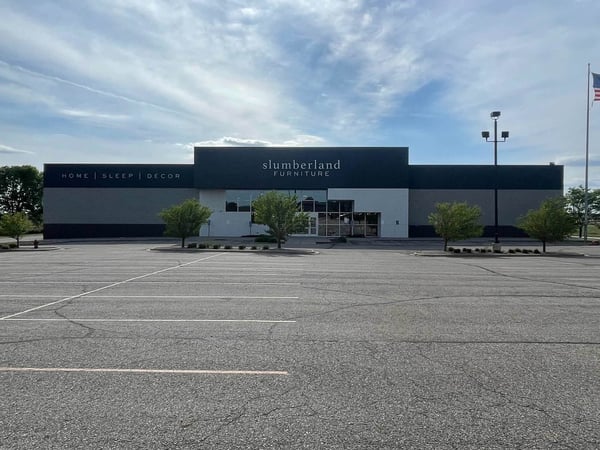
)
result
[(282, 251)]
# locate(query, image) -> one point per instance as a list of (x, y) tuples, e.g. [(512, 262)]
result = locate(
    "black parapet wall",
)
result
[(300, 168), (548, 177)]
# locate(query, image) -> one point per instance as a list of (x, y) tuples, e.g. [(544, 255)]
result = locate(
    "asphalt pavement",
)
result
[(361, 345)]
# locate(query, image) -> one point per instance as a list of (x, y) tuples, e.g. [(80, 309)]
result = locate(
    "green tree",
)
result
[(575, 204), (456, 221), (15, 225), (21, 189), (185, 219), (551, 222), (280, 213)]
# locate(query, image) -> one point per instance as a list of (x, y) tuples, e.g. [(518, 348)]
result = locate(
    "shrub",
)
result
[(241, 247), (12, 245), (457, 250), (537, 252), (254, 247), (266, 238), (451, 249), (192, 245), (511, 250), (265, 247), (216, 246), (525, 251), (201, 245), (228, 247)]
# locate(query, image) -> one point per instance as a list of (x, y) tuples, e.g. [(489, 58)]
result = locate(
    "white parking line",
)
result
[(228, 297), (109, 286), (29, 296), (145, 371), (152, 320), (245, 283)]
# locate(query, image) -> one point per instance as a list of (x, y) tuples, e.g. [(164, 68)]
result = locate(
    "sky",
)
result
[(144, 81)]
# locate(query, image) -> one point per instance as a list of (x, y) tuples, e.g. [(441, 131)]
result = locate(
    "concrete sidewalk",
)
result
[(323, 242), (25, 240)]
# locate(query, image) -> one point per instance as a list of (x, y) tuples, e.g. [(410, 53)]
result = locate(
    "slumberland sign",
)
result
[(300, 167), (293, 168)]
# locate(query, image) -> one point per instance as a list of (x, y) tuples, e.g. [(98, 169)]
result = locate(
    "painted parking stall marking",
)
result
[(153, 320), (118, 283), (144, 371)]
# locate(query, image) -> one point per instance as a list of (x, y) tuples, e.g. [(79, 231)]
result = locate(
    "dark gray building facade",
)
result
[(346, 191)]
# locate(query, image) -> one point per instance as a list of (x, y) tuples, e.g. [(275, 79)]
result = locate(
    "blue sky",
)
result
[(143, 81)]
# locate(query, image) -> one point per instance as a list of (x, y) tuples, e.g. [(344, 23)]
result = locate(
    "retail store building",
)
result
[(346, 191)]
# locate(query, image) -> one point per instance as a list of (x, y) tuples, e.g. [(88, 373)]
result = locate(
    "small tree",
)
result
[(456, 221), (185, 219), (15, 225), (551, 222), (280, 213), (575, 204)]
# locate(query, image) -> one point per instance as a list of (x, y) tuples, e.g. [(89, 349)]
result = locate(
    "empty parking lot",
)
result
[(116, 346)]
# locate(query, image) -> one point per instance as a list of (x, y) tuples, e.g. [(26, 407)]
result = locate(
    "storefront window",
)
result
[(312, 201), (328, 217), (240, 201), (346, 206), (333, 206)]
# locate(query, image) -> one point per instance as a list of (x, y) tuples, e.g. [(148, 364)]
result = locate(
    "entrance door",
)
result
[(372, 224), (312, 226)]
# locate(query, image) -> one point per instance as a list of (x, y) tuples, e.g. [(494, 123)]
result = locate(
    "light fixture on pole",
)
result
[(504, 136)]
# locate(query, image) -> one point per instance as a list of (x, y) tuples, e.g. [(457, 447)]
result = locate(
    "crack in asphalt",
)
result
[(535, 280), (411, 300), (518, 401), (236, 414)]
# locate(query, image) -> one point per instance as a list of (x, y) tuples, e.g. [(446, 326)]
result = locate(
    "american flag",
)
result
[(596, 83)]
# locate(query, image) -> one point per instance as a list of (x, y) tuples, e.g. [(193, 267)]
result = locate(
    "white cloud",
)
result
[(8, 149), (299, 72), (227, 141), (92, 115)]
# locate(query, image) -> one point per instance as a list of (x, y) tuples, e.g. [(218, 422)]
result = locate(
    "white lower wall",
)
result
[(225, 223), (391, 203), (231, 224)]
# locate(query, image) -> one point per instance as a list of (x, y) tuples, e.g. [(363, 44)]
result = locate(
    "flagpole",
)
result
[(587, 158)]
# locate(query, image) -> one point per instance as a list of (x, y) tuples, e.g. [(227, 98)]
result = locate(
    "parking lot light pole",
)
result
[(486, 135)]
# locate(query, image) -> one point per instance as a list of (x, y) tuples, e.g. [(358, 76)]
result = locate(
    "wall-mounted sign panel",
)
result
[(300, 168), (119, 175)]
